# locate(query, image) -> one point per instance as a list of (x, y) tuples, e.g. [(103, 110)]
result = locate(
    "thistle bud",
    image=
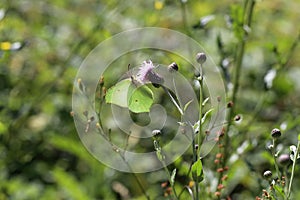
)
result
[(230, 104), (201, 58), (275, 133), (173, 67), (237, 118), (268, 174), (156, 133), (284, 159)]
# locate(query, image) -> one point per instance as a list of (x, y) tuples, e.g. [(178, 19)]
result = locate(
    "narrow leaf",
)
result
[(172, 181), (186, 105), (205, 101), (206, 115), (196, 127)]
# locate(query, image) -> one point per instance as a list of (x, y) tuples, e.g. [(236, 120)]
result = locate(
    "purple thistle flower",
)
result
[(146, 74)]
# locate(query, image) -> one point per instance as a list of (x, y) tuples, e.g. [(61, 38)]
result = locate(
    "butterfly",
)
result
[(131, 93)]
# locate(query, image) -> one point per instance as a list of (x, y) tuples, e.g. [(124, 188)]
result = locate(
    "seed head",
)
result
[(275, 133), (201, 58)]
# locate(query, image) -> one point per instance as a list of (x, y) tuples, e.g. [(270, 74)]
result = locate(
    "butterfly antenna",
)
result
[(128, 66)]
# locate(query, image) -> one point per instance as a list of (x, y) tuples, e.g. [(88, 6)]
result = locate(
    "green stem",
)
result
[(170, 181), (286, 181), (274, 157), (293, 170), (200, 135), (248, 10), (122, 154), (161, 158), (290, 51), (184, 18), (136, 178)]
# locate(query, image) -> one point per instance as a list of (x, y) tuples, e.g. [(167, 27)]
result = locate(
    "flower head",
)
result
[(146, 74), (201, 58), (284, 159), (267, 174), (275, 133)]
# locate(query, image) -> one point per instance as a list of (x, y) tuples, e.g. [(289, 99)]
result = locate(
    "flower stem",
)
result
[(200, 135), (293, 170), (274, 157), (170, 181)]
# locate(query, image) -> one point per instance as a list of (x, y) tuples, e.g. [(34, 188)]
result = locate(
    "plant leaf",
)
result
[(197, 171), (279, 191), (206, 115), (196, 127), (205, 101), (186, 105)]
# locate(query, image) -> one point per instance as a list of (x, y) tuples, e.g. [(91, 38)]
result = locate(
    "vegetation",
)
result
[(254, 43)]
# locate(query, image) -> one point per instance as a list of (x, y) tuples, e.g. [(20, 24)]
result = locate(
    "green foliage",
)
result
[(42, 45), (197, 171), (68, 183)]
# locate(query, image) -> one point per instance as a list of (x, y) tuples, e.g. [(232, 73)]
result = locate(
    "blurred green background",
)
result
[(42, 46)]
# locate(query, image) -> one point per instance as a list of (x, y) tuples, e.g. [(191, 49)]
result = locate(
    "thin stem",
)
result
[(161, 158), (293, 169), (274, 157), (200, 137), (286, 181), (136, 177), (249, 7), (173, 100), (196, 181), (184, 17), (189, 191), (169, 178), (124, 159), (291, 51)]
